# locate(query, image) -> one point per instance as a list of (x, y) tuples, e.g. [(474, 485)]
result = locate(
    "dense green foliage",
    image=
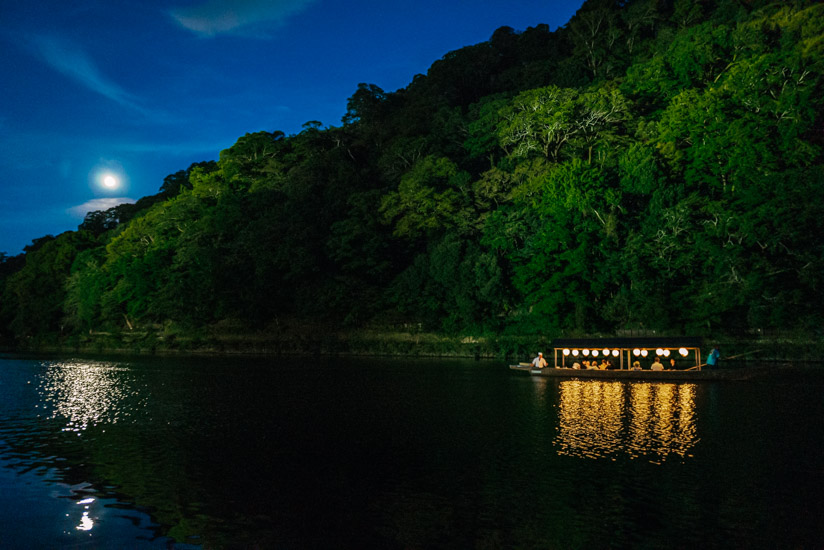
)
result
[(653, 164)]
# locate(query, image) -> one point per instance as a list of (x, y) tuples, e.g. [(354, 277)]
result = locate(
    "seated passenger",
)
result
[(576, 365), (604, 364), (636, 366), (656, 365)]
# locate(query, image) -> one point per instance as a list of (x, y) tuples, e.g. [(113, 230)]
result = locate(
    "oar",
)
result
[(742, 354), (727, 358)]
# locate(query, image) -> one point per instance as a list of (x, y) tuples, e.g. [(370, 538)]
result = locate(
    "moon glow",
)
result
[(109, 181)]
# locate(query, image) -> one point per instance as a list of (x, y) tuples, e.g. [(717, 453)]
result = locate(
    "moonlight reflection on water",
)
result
[(85, 394)]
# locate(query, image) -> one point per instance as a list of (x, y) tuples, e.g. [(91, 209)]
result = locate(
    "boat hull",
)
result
[(664, 375)]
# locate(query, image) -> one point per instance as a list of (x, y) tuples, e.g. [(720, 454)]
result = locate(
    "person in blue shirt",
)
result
[(712, 359)]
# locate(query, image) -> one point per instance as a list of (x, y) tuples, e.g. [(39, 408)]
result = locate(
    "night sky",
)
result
[(100, 100)]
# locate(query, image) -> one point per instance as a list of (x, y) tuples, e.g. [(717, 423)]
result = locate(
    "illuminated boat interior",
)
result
[(624, 351)]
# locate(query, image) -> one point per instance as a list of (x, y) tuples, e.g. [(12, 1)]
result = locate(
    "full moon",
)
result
[(110, 181)]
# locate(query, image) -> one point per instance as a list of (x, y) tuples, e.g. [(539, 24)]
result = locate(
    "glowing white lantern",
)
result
[(615, 353), (666, 353), (595, 353), (575, 352), (566, 352), (683, 352), (585, 352), (644, 353), (659, 352), (636, 352)]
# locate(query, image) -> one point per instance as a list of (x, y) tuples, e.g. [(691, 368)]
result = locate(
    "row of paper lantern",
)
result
[(636, 352)]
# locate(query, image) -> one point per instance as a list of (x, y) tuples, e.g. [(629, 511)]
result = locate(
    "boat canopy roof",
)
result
[(650, 342)]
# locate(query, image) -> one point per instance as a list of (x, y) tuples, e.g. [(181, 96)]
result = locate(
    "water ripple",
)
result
[(84, 394), (642, 420)]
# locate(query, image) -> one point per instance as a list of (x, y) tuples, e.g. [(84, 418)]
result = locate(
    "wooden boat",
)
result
[(624, 352)]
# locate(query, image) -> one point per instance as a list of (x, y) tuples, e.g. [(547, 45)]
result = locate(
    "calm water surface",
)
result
[(287, 453)]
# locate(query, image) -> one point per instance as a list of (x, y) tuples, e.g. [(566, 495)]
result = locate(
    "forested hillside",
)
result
[(653, 164)]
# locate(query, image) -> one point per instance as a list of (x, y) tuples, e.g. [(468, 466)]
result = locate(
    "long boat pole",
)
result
[(727, 359)]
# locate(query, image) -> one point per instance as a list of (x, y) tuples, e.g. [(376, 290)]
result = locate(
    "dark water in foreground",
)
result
[(282, 453)]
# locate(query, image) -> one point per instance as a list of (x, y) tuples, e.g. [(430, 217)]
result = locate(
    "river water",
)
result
[(209, 453)]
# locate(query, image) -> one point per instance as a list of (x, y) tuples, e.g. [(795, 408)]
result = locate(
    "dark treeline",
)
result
[(653, 164)]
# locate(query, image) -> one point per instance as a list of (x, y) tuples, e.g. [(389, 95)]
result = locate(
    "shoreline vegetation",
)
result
[(304, 340), (648, 166)]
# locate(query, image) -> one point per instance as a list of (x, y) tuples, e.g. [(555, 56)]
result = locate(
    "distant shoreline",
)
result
[(320, 342)]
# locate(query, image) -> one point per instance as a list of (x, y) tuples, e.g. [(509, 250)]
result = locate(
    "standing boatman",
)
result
[(712, 359), (539, 362)]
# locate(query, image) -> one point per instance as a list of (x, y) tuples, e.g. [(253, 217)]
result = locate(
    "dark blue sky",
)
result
[(143, 89)]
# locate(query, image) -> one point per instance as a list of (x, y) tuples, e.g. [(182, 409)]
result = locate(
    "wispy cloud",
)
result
[(69, 59), (237, 16), (93, 205)]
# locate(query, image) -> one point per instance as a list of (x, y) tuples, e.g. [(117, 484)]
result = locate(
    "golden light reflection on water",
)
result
[(84, 394), (604, 419)]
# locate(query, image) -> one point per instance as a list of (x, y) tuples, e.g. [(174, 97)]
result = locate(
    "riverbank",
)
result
[(294, 340), (406, 340)]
